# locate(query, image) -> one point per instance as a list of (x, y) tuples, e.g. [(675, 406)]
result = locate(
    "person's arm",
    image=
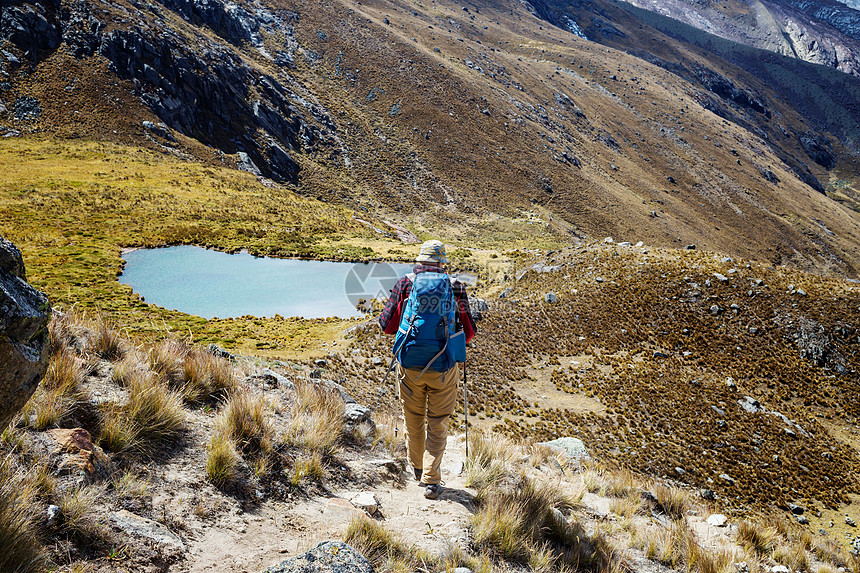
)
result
[(464, 312), (389, 319)]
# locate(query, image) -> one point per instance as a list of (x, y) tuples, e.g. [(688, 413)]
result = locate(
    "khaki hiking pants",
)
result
[(428, 402)]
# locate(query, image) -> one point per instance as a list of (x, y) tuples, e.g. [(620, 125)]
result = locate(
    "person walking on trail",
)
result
[(428, 312)]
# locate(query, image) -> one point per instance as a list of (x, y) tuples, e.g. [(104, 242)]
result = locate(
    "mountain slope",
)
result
[(825, 32), (464, 120)]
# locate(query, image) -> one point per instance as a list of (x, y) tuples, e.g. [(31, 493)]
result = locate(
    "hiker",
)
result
[(428, 311)]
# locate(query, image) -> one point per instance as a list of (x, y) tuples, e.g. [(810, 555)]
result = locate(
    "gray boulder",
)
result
[(344, 395), (137, 526), (572, 447), (354, 414), (751, 405), (272, 378), (24, 314), (478, 306), (327, 557)]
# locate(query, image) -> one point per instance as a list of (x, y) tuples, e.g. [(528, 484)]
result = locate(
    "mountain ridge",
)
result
[(818, 31), (431, 115)]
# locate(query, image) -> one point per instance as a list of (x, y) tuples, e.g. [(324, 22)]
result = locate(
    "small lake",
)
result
[(213, 284)]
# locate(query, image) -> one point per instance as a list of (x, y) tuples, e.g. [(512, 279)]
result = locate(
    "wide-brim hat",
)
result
[(432, 252)]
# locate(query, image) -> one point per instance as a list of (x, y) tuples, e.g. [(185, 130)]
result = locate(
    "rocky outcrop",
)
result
[(723, 87), (203, 88), (818, 149), (72, 452), (24, 314), (327, 557), (844, 18), (32, 28), (825, 32)]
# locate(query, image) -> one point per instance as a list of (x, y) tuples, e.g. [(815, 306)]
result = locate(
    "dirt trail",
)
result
[(249, 542)]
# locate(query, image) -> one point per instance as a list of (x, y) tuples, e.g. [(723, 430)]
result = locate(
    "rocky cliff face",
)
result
[(824, 32), (195, 82), (24, 314)]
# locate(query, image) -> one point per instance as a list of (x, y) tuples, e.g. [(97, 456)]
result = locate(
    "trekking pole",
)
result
[(396, 395), (466, 408)]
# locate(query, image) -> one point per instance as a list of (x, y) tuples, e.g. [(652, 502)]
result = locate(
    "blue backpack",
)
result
[(427, 337)]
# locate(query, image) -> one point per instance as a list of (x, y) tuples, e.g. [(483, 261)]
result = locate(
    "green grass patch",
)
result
[(71, 206)]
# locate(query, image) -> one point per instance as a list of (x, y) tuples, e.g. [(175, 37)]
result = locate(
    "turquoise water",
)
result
[(212, 284)]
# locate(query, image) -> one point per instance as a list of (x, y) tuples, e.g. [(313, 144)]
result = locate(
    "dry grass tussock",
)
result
[(524, 518), (80, 519), (197, 375), (152, 416), (206, 377), (159, 378), (757, 538), (317, 422), (622, 483), (222, 462), (677, 547), (491, 459), (128, 484), (527, 520), (105, 341), (384, 551), (242, 428), (673, 501), (245, 420), (59, 392), (21, 550), (244, 431), (387, 553)]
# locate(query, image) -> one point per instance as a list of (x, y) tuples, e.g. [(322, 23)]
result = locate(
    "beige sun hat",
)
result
[(432, 251)]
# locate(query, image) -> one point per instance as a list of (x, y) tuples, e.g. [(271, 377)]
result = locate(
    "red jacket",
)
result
[(389, 320)]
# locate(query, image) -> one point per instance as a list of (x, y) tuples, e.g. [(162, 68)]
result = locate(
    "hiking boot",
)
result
[(432, 491), (418, 472)]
